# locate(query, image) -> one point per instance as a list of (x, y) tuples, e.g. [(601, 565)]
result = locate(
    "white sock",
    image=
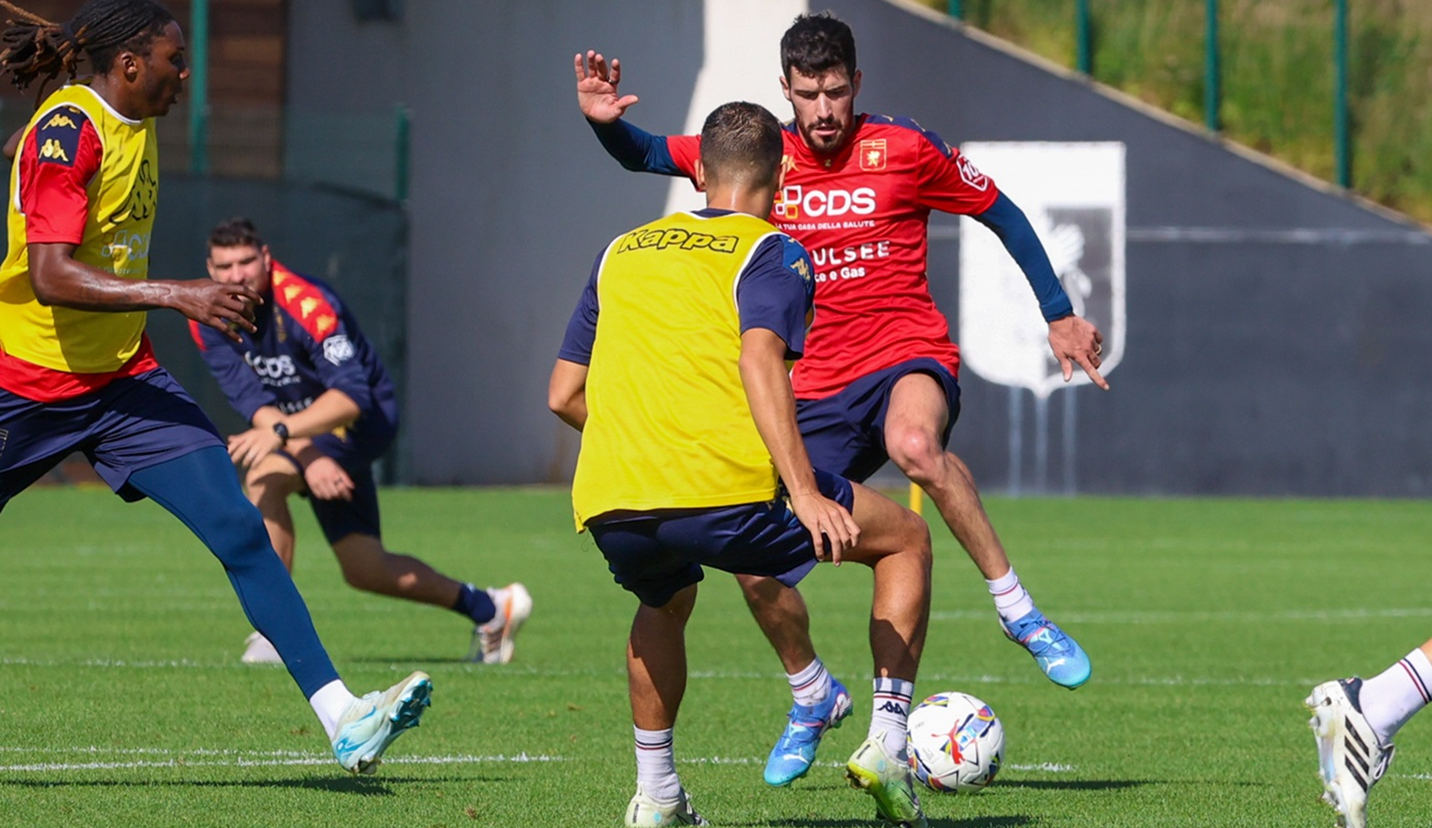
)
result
[(890, 712), (656, 764), (1392, 697), (811, 685), (329, 703), (1011, 599)]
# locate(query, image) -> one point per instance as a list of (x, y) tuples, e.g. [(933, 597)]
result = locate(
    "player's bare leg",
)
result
[(269, 484), (368, 566), (656, 680), (781, 613), (914, 422)]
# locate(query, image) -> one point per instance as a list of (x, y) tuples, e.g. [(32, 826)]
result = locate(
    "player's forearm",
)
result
[(1010, 224), (59, 280), (635, 148), (773, 408), (567, 393), (332, 409)]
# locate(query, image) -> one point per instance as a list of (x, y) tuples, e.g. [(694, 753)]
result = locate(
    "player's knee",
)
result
[(234, 531), (918, 454)]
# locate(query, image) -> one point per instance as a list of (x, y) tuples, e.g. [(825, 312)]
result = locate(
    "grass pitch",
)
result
[(123, 703)]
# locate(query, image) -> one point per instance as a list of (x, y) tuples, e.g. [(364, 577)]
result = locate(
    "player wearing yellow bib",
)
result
[(674, 369), (76, 372)]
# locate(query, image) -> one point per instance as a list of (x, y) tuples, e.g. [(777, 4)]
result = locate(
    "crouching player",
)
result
[(323, 410), (674, 368)]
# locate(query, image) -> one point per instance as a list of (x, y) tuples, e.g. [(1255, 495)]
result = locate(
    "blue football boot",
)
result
[(795, 751), (1059, 656)]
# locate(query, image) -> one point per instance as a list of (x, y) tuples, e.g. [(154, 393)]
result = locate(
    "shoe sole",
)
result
[(1326, 730), (407, 713), (843, 712)]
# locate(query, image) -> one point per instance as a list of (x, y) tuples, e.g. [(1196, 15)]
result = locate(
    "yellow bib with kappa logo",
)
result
[(668, 424), (122, 197)]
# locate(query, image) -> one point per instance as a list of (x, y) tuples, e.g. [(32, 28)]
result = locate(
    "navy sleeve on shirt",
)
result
[(1013, 229), (635, 148), (582, 327), (246, 393), (335, 361), (776, 292)]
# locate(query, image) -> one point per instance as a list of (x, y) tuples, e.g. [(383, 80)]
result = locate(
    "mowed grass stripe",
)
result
[(1207, 620)]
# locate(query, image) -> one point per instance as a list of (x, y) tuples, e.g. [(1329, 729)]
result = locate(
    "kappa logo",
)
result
[(53, 151), (4, 438), (664, 237), (60, 120), (802, 268), (891, 707), (338, 349), (972, 176)]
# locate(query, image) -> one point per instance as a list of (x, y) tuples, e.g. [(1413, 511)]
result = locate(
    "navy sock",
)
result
[(475, 604), (201, 489)]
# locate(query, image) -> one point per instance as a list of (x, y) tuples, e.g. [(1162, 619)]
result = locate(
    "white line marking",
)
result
[(1199, 616)]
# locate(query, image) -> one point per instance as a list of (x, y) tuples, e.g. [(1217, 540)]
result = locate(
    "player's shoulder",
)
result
[(310, 303), (903, 129), (58, 131)]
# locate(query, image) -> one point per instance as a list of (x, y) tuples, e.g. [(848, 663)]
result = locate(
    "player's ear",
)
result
[(700, 176), (786, 86), (128, 65), (855, 83)]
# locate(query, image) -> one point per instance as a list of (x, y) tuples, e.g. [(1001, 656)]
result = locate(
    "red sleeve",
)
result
[(948, 182), (684, 149), (57, 162)]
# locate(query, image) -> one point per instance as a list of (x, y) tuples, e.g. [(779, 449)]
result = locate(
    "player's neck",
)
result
[(741, 200), (115, 95)]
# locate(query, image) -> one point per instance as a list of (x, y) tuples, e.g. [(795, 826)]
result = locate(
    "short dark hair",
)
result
[(816, 44), (235, 232), (742, 141), (101, 29)]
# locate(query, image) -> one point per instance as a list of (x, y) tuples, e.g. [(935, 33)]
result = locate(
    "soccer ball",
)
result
[(956, 743)]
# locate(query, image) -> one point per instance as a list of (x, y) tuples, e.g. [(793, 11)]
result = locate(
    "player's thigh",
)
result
[(886, 528), (921, 410), (277, 476)]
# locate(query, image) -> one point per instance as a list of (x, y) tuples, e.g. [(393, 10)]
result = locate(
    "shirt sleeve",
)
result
[(776, 291), (640, 151), (1018, 237), (947, 181), (335, 358), (58, 160), (582, 327), (245, 392)]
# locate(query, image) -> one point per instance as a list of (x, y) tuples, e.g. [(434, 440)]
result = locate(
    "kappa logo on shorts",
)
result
[(4, 437)]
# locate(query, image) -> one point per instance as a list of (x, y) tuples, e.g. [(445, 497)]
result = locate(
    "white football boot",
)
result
[(1350, 759), (258, 650), (645, 812), (492, 641)]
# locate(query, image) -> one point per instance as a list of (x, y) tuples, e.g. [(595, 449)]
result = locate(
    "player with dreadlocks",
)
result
[(77, 372)]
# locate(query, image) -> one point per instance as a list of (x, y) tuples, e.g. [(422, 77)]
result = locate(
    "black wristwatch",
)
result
[(282, 431)]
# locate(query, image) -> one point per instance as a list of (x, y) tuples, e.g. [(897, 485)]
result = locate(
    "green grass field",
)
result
[(122, 701)]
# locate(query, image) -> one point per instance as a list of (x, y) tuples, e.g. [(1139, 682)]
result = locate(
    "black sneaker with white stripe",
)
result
[(1350, 759)]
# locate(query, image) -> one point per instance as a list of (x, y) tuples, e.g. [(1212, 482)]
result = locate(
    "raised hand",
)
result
[(1075, 339), (597, 88)]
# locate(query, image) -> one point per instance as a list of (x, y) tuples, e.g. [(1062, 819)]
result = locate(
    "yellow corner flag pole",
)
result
[(917, 500)]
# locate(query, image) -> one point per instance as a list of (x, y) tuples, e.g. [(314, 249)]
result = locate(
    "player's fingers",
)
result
[(626, 101), (616, 72), (1067, 367), (580, 65), (817, 540), (1092, 370)]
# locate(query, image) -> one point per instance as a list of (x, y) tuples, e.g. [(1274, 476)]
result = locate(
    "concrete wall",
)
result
[(1273, 334)]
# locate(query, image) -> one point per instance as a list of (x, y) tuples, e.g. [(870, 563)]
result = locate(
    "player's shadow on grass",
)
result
[(338, 784)]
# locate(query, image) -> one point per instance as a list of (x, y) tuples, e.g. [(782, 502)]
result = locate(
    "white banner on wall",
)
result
[(1073, 194)]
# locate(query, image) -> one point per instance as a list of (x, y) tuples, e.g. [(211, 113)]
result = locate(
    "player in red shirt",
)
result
[(879, 380)]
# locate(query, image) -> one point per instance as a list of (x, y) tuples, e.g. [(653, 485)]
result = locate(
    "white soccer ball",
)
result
[(956, 743)]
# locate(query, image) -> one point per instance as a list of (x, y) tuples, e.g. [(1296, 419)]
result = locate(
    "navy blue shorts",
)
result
[(341, 518), (128, 425), (845, 432), (655, 555)]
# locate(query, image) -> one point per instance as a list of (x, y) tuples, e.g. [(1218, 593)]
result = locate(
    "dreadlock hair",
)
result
[(741, 143), (235, 232), (817, 43), (101, 29)]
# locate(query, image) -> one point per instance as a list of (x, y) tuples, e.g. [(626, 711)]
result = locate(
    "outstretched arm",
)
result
[(1071, 338)]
